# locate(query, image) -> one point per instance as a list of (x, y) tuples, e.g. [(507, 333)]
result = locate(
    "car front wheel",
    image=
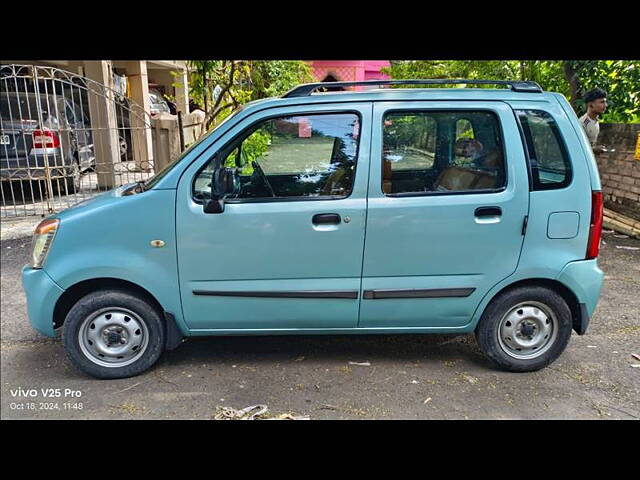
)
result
[(113, 334), (525, 329)]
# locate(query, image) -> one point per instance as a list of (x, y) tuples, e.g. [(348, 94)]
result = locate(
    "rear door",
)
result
[(448, 195)]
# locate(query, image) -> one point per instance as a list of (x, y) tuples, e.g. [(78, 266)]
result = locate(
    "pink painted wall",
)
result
[(349, 70)]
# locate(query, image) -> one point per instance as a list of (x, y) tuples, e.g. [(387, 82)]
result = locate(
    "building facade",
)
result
[(349, 70)]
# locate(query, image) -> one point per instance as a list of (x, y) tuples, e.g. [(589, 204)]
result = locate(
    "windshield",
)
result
[(152, 181)]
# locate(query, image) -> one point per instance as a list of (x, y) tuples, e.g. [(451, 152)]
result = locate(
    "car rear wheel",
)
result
[(525, 329), (113, 334)]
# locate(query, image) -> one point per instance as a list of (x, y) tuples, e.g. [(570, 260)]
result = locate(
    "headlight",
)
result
[(42, 240)]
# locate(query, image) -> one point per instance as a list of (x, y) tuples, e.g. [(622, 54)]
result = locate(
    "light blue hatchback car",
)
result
[(379, 211)]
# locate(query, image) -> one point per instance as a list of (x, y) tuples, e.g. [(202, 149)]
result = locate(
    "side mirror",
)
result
[(222, 184), (214, 206)]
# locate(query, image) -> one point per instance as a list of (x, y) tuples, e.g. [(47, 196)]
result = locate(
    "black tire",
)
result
[(116, 300), (488, 329)]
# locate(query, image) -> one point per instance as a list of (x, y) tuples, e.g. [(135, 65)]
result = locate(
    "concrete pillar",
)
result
[(141, 139), (103, 122), (166, 139), (182, 91)]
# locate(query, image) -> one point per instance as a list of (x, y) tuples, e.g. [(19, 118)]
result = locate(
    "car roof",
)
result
[(406, 94)]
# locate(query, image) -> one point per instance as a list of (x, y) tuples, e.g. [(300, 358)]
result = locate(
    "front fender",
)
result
[(151, 275), (110, 237)]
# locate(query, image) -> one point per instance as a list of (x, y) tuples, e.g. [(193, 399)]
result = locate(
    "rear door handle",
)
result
[(326, 218), (488, 212)]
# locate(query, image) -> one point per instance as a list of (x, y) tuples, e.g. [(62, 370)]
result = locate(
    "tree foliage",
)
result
[(252, 148), (620, 79), (572, 78), (221, 86)]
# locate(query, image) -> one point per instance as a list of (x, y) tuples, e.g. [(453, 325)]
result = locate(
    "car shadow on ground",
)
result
[(273, 354), (262, 350)]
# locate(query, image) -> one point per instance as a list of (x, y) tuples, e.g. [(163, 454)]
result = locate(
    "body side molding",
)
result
[(351, 294), (417, 293)]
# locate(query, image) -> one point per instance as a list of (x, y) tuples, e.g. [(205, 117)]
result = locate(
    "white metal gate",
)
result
[(65, 138)]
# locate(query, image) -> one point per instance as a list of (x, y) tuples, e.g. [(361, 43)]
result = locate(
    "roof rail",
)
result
[(515, 85)]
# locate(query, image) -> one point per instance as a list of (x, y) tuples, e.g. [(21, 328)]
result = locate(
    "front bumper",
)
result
[(42, 294)]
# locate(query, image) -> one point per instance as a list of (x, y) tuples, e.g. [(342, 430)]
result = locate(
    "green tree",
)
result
[(221, 86), (620, 78), (270, 78), (253, 147)]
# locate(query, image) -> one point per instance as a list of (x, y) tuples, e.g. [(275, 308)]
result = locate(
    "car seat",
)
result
[(461, 178)]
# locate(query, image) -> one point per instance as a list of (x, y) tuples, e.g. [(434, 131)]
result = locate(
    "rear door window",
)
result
[(442, 152)]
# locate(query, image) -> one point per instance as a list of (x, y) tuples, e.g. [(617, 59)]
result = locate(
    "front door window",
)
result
[(292, 157)]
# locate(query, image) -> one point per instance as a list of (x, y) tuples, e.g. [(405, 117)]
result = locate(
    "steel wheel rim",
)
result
[(527, 330), (113, 337)]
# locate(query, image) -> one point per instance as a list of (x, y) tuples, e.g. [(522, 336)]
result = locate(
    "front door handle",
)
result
[(326, 218), (488, 212)]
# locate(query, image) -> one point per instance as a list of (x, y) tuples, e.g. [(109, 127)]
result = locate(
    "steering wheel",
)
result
[(258, 169)]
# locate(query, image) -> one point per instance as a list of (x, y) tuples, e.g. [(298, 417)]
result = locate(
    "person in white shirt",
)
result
[(596, 101)]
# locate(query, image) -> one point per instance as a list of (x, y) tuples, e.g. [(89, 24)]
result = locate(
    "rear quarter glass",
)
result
[(582, 141), (547, 247)]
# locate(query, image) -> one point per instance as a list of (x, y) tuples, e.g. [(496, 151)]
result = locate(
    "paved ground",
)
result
[(429, 377)]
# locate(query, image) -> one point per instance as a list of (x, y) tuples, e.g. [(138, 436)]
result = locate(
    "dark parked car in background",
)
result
[(47, 122), (39, 130)]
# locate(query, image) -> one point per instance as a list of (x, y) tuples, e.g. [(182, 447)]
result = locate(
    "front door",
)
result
[(448, 196), (286, 253)]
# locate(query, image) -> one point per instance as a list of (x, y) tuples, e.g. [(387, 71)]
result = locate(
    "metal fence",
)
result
[(65, 138)]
